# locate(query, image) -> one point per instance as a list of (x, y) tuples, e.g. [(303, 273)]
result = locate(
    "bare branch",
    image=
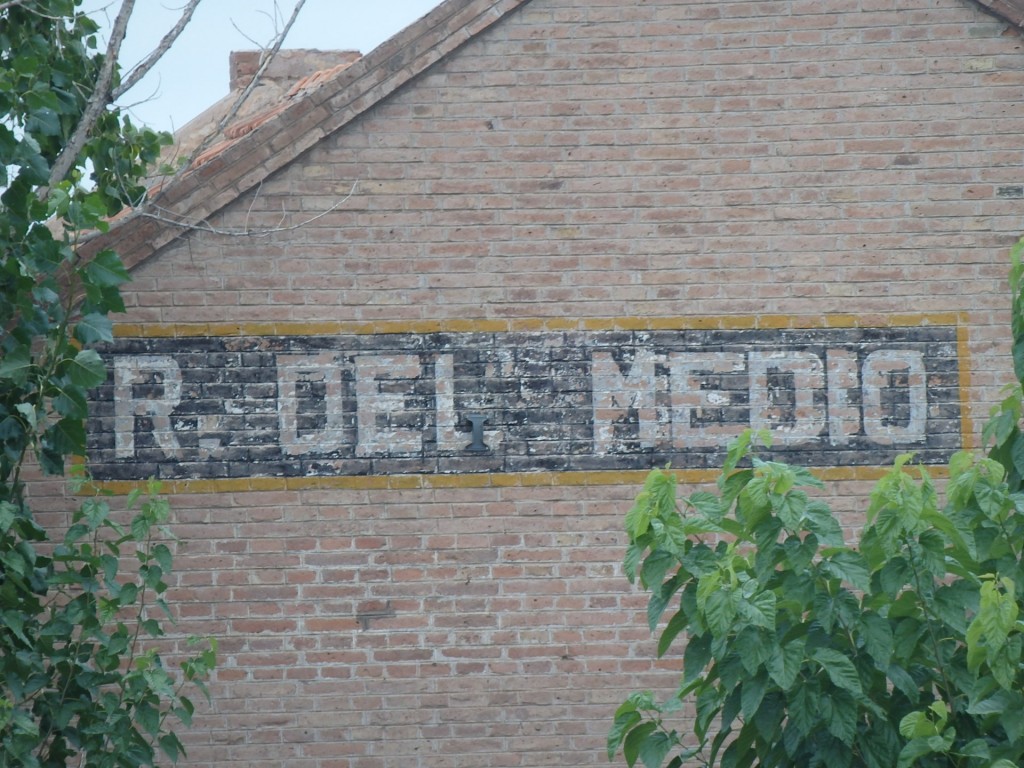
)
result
[(98, 101), (168, 217), (10, 4), (275, 47), (270, 53), (139, 70), (239, 30)]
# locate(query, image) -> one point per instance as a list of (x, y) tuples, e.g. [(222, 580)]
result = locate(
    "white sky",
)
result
[(194, 74)]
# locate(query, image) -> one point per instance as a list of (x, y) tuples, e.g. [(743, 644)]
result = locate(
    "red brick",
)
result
[(578, 160)]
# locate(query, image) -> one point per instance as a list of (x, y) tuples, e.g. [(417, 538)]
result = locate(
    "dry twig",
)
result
[(142, 68), (169, 217)]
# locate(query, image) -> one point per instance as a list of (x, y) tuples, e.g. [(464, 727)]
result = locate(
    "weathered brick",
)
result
[(699, 167)]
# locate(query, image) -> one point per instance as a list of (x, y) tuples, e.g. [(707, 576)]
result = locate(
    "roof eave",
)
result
[(1010, 10), (200, 192)]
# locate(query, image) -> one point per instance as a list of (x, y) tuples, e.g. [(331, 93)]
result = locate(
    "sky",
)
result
[(194, 73)]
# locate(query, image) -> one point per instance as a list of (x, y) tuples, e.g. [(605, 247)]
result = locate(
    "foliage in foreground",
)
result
[(78, 682), (77, 686), (801, 650)]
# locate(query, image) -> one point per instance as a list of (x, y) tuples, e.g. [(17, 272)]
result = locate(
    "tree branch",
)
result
[(142, 68), (99, 99), (10, 4), (169, 217), (275, 47), (202, 146)]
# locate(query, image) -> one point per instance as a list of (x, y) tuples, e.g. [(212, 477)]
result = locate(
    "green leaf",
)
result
[(676, 624), (733, 484), (654, 748), (769, 718), (172, 747), (106, 270), (16, 366), (625, 719), (843, 723), (759, 609), (847, 565), (880, 745), (66, 437), (152, 576), (753, 689), (878, 639), (721, 609), (635, 740), (1000, 701), (993, 500), (658, 602), (839, 669), (819, 519), (87, 369), (638, 519), (655, 567), (128, 594), (803, 711), (696, 657), (784, 662), (71, 403), (1017, 452), (917, 725), (752, 647), (902, 681), (163, 557), (708, 705), (8, 514), (920, 747), (707, 504), (1004, 662), (1018, 358), (977, 748), (30, 412), (1013, 724), (94, 328), (186, 709), (148, 717), (634, 554)]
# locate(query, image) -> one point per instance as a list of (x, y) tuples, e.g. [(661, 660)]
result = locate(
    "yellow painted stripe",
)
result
[(963, 350), (490, 325), (519, 325), (481, 480)]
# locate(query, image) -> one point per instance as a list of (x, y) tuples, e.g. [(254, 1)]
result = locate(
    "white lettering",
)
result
[(843, 415), (699, 416), (322, 371), (614, 393), (378, 405), (159, 370), (789, 412), (881, 421)]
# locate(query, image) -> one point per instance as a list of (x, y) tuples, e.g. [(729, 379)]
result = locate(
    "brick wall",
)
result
[(753, 167)]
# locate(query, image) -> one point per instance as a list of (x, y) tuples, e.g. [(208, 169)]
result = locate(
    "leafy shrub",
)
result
[(801, 650), (77, 684), (75, 679)]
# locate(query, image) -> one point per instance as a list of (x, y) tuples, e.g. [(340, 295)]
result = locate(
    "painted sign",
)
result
[(365, 404)]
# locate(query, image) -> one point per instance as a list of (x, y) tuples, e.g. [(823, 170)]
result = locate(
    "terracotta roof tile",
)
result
[(242, 127), (211, 152), (315, 79), (235, 131)]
